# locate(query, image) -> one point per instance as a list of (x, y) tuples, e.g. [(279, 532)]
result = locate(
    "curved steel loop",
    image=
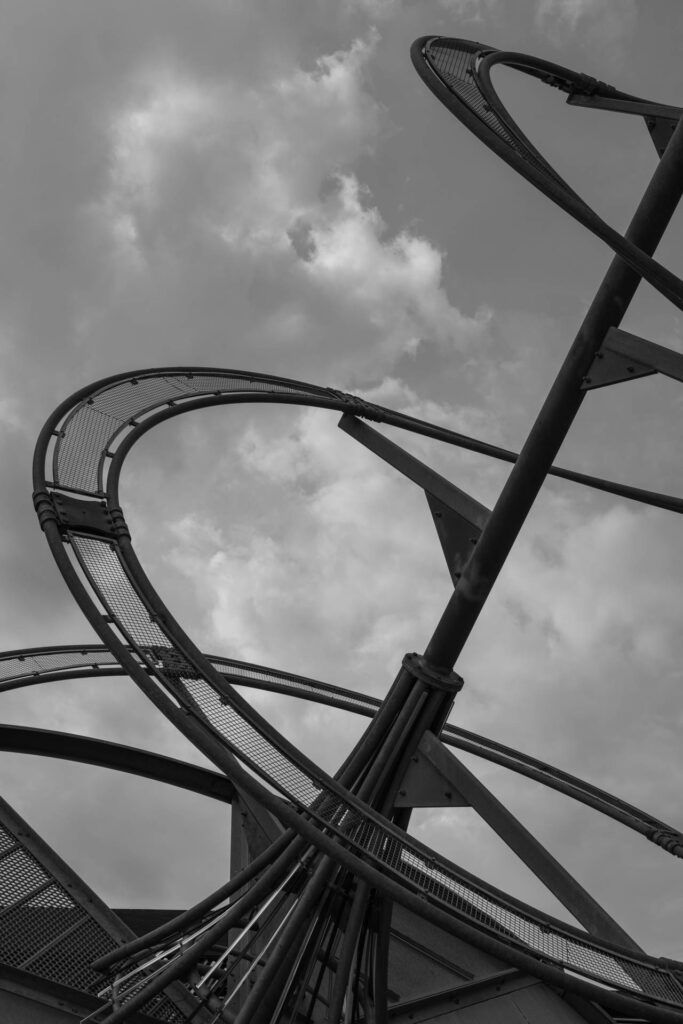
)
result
[(321, 397), (33, 666), (457, 71), (68, 746), (124, 609)]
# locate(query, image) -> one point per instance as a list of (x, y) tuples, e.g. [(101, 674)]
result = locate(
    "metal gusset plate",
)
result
[(52, 925)]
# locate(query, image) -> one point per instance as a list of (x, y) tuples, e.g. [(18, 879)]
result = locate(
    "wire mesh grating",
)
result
[(456, 67), (260, 749)]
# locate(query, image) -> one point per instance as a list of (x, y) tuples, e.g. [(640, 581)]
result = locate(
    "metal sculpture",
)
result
[(302, 930)]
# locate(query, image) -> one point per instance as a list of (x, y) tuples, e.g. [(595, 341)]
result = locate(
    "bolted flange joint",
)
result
[(433, 675), (45, 508), (118, 523), (672, 842), (81, 516), (172, 663), (357, 406)]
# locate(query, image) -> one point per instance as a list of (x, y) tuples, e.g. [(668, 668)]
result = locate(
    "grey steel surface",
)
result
[(321, 895), (639, 355), (105, 754), (220, 721)]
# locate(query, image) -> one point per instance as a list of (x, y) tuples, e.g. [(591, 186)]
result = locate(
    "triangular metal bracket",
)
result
[(428, 781), (660, 118), (459, 518), (444, 768), (457, 535), (624, 356), (57, 921), (661, 129), (610, 367)]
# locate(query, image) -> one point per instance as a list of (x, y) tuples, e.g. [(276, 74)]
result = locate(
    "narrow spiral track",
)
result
[(338, 829), (78, 461)]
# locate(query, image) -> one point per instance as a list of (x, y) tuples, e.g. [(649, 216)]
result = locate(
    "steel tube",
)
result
[(557, 414), (552, 874), (345, 962), (377, 730), (408, 745), (188, 917), (380, 975), (265, 994), (384, 763), (179, 967), (21, 739)]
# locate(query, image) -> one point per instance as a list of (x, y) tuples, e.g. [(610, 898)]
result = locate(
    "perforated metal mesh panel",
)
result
[(34, 666), (109, 579), (285, 681), (11, 668), (455, 64), (440, 880), (46, 661), (455, 67), (242, 737), (261, 749), (36, 911), (87, 432), (45, 927)]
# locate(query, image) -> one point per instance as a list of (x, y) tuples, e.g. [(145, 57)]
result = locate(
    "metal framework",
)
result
[(34, 666), (303, 930)]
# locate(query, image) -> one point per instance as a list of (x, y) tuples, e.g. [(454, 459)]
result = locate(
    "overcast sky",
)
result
[(269, 186)]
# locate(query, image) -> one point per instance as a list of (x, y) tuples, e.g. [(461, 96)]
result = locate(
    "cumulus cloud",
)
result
[(257, 180), (242, 162), (398, 281), (303, 572), (148, 140)]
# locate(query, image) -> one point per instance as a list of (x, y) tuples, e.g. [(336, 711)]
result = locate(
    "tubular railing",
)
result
[(77, 465)]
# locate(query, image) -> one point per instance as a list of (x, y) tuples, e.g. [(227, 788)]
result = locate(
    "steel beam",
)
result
[(641, 108), (557, 414), (554, 876), (458, 517), (63, 998), (104, 754), (425, 477), (641, 352), (470, 992), (252, 830), (350, 700)]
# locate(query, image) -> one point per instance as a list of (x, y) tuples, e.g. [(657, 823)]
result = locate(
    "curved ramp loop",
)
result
[(458, 72), (340, 838), (77, 466)]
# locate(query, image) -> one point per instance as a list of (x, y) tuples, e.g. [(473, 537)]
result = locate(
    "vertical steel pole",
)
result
[(555, 418)]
